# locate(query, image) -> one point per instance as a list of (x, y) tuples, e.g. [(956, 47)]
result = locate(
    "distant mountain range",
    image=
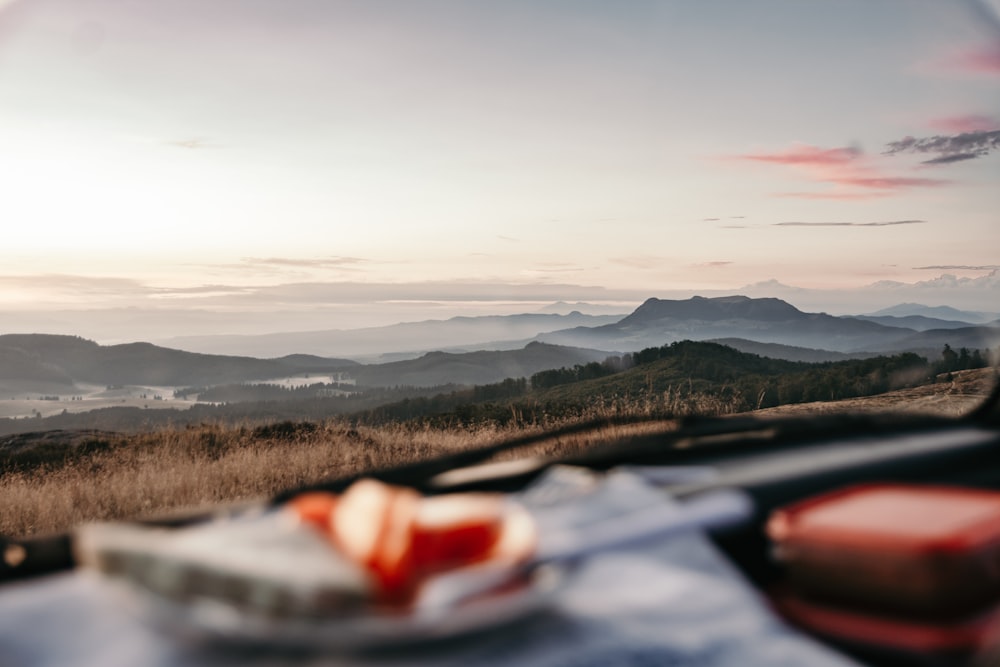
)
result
[(471, 368), (915, 322), (655, 322), (408, 339), (766, 320), (519, 345), (937, 312), (35, 360)]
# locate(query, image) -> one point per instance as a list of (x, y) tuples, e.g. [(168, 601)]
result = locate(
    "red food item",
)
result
[(315, 508), (402, 538), (928, 550), (860, 627), (456, 529), (372, 524)]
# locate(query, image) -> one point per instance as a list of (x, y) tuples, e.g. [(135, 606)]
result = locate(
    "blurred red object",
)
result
[(958, 638), (401, 538), (924, 551)]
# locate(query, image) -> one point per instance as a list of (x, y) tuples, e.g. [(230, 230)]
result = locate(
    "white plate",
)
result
[(264, 580), (211, 620)]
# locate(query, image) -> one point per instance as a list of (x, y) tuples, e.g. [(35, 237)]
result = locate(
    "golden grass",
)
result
[(188, 467), (174, 469)]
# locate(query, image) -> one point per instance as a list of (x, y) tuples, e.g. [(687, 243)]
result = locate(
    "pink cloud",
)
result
[(890, 182), (807, 156), (852, 174), (838, 195), (983, 61), (966, 123)]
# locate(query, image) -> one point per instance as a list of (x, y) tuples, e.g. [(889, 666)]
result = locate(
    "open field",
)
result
[(75, 477), (47, 401), (947, 397), (26, 400), (116, 477)]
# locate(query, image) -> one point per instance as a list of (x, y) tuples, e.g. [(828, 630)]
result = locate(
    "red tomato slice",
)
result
[(392, 562), (316, 509), (455, 530), (402, 538), (373, 525)]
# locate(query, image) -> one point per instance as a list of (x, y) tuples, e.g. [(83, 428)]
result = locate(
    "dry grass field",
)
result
[(171, 470), (953, 395), (120, 476)]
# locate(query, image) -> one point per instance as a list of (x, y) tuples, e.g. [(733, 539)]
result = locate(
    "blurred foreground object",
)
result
[(893, 567)]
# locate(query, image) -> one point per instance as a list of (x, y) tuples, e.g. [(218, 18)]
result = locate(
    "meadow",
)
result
[(125, 476), (107, 476)]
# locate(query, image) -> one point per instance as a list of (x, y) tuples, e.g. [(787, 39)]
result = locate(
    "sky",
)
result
[(308, 155)]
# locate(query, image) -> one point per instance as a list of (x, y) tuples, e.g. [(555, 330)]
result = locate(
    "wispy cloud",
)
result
[(948, 148), (959, 267), (310, 263), (889, 223), (710, 219), (291, 267), (44, 291), (73, 284), (964, 123), (641, 261), (853, 174), (201, 290), (193, 143), (715, 265), (888, 183), (451, 290), (555, 267), (834, 195), (805, 155), (985, 60)]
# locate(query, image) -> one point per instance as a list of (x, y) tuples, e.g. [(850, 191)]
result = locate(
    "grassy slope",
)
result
[(111, 476), (96, 476)]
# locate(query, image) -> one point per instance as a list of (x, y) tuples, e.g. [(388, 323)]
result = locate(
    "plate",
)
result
[(265, 579), (208, 619)]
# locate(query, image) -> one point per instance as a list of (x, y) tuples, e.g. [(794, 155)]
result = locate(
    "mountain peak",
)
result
[(713, 309)]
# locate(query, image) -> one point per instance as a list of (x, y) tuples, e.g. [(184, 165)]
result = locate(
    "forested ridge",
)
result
[(680, 378)]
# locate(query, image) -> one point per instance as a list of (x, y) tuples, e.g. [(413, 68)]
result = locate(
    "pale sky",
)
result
[(183, 151)]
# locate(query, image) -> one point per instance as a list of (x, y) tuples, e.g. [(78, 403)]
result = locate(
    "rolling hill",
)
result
[(472, 368), (412, 338), (679, 378), (915, 322), (65, 360), (937, 312), (71, 359)]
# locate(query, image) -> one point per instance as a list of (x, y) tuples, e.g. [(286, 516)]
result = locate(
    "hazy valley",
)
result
[(45, 379), (138, 428)]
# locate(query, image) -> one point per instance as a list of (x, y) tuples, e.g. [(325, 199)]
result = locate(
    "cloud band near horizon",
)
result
[(888, 223)]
